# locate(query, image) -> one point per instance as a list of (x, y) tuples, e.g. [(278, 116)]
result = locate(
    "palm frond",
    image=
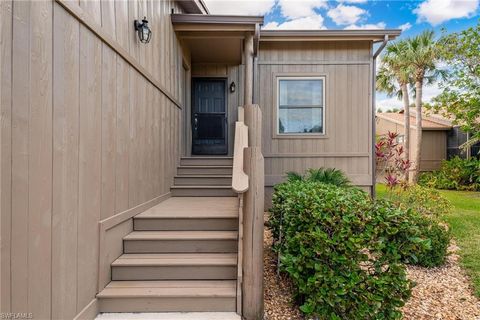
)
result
[(294, 176)]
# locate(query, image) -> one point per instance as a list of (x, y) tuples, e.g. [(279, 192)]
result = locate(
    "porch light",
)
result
[(232, 87), (144, 32)]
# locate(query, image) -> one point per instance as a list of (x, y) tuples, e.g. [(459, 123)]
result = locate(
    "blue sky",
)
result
[(411, 16)]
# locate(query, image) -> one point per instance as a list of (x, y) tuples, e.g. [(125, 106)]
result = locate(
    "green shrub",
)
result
[(426, 201), (426, 207), (438, 237), (325, 175), (342, 250), (454, 174)]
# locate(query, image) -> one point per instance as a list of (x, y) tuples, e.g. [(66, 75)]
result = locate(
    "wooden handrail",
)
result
[(239, 177)]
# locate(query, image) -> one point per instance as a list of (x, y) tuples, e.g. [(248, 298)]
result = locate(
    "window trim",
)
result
[(276, 132)]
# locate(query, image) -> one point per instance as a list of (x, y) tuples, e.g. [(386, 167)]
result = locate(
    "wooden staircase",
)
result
[(183, 253)]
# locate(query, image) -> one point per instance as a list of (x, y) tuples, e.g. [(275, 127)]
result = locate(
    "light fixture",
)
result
[(144, 32), (232, 87)]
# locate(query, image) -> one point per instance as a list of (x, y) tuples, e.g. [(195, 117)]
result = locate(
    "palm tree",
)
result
[(422, 55), (393, 78)]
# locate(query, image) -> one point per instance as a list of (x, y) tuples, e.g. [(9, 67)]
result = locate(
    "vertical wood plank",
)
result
[(5, 152), (90, 165), (108, 16), (123, 134), (121, 23), (20, 129), (40, 160), (109, 124), (65, 164)]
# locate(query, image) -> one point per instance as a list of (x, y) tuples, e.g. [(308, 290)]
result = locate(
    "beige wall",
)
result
[(347, 144), (89, 137), (434, 143)]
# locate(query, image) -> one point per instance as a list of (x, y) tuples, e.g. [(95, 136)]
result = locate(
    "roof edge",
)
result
[(194, 6), (373, 34), (215, 19)]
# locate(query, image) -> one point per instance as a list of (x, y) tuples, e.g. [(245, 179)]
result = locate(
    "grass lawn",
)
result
[(465, 224)]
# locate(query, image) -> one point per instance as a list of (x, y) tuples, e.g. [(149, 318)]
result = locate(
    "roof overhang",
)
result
[(194, 6), (217, 23), (215, 38), (376, 35)]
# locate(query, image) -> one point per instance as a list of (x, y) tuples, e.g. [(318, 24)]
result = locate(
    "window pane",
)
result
[(300, 120), (301, 92)]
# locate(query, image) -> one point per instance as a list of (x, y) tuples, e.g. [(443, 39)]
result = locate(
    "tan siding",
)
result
[(86, 136), (5, 152), (434, 143), (348, 139)]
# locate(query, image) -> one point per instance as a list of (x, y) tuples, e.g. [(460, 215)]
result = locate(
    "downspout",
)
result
[(374, 110)]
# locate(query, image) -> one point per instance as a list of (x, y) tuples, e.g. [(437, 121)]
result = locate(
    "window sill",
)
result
[(300, 136)]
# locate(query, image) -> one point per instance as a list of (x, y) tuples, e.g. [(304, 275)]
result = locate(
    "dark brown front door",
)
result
[(209, 116)]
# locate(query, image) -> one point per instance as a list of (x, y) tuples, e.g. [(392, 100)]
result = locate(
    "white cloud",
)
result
[(438, 11), (405, 26), (380, 25), (313, 22), (352, 1), (389, 103), (429, 92), (343, 14), (240, 7), (300, 8)]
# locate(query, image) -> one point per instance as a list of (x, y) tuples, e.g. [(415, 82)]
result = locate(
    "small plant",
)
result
[(390, 159), (454, 174), (325, 175)]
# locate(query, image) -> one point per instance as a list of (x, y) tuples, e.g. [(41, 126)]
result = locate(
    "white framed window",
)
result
[(300, 105)]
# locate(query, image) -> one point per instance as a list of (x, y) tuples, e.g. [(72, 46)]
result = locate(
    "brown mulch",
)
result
[(440, 293)]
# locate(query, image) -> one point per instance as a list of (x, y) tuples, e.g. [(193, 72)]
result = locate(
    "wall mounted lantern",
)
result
[(144, 32), (232, 87)]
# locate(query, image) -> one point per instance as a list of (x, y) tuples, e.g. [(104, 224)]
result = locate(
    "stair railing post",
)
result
[(253, 213)]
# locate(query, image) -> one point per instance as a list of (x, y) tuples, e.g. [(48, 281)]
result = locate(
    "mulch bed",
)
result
[(440, 293)]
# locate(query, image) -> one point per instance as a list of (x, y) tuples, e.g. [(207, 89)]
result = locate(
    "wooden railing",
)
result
[(248, 181)]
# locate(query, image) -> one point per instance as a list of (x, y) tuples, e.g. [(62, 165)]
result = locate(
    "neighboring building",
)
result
[(441, 140), (131, 180)]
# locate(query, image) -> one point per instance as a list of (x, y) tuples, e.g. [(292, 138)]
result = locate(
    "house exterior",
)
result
[(441, 139), (133, 175)]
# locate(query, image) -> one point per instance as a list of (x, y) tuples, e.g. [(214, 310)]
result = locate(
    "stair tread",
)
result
[(206, 166), (181, 235), (201, 187), (180, 288), (203, 176), (193, 207), (207, 157), (176, 259)]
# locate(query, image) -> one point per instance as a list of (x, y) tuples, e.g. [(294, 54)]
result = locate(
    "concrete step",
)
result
[(203, 180), (168, 296), (180, 241), (205, 170), (202, 191), (175, 266), (206, 161)]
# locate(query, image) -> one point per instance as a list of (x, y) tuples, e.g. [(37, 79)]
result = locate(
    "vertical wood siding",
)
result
[(84, 137), (348, 110)]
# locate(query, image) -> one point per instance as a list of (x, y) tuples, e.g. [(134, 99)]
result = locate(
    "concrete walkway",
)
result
[(170, 316)]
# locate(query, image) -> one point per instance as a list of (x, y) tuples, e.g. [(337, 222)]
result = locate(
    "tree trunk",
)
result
[(418, 105), (406, 112)]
